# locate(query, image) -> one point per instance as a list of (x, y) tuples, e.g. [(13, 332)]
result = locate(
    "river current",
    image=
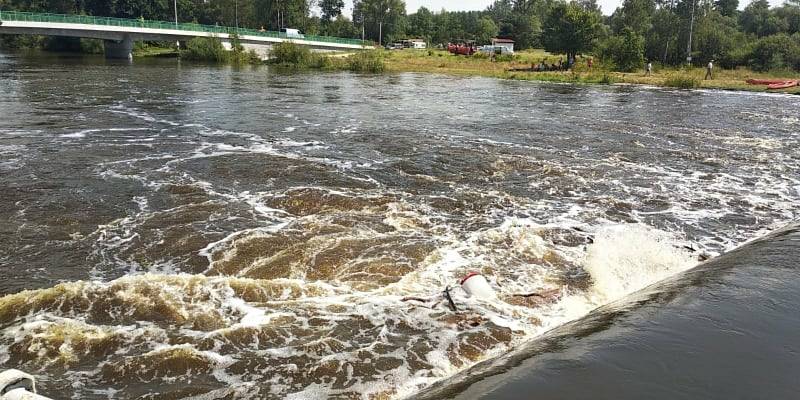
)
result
[(170, 230)]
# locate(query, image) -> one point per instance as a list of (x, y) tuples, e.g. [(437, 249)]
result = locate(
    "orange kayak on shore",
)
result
[(765, 81), (783, 85), (775, 83)]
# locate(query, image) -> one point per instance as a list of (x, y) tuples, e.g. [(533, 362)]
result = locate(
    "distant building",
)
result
[(506, 44)]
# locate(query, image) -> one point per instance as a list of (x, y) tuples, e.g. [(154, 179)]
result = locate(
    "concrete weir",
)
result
[(119, 49)]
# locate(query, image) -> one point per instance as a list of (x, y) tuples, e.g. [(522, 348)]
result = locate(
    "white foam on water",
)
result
[(138, 114), (519, 255), (624, 259)]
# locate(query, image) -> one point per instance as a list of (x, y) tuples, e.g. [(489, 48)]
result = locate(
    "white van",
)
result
[(292, 33)]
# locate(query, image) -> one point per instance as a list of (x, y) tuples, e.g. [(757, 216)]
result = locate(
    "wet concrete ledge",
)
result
[(728, 329)]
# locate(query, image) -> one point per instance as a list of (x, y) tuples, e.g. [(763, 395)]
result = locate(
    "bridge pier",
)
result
[(119, 49)]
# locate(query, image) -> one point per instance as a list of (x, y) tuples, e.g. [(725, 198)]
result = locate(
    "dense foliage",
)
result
[(624, 52), (211, 49), (290, 55), (759, 36), (205, 49)]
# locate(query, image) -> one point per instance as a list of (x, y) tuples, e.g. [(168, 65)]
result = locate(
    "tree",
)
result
[(634, 14), (791, 17), (777, 51), (487, 29), (341, 27), (380, 18), (758, 19), (715, 36), (625, 51), (330, 9), (661, 43), (728, 8), (570, 29), (276, 14), (421, 24)]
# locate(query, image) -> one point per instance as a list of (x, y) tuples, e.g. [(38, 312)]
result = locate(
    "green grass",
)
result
[(440, 61), (682, 82), (155, 51)]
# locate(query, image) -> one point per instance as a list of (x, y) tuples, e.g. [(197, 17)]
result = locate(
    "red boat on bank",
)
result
[(775, 83)]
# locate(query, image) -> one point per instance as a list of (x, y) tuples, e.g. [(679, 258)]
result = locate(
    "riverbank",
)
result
[(439, 61)]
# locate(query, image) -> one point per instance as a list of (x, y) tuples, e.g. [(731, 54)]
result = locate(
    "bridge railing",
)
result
[(141, 23)]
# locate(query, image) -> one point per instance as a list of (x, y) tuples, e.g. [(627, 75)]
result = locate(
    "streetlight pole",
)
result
[(177, 42), (689, 45)]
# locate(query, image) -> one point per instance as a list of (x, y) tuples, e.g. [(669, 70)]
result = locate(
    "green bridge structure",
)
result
[(119, 34)]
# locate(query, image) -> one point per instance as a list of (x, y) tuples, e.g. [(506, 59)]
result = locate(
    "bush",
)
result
[(289, 54), (238, 54), (366, 61), (21, 41), (92, 46), (503, 58), (205, 49), (776, 52), (481, 55), (625, 51), (682, 82), (738, 56), (244, 57)]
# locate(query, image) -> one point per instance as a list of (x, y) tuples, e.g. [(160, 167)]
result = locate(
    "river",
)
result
[(171, 230)]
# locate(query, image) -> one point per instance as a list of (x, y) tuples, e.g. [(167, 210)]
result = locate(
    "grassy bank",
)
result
[(141, 49), (439, 61)]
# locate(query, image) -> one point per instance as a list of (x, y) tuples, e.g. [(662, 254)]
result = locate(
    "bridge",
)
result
[(119, 34)]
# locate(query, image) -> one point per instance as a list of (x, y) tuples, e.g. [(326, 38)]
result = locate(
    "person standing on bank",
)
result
[(710, 70), (648, 69)]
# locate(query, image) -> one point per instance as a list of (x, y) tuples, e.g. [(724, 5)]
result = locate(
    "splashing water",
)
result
[(299, 248)]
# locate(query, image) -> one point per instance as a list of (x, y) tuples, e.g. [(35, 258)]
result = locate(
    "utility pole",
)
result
[(689, 45), (380, 33), (236, 13), (177, 42)]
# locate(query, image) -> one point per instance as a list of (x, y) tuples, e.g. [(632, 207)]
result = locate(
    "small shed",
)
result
[(508, 44)]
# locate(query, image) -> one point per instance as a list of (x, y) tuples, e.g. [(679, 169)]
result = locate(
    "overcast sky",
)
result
[(608, 6)]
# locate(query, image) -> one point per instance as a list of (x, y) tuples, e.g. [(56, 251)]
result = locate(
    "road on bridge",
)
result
[(119, 34)]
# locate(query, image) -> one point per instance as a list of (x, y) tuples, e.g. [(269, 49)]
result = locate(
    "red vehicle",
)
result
[(464, 48)]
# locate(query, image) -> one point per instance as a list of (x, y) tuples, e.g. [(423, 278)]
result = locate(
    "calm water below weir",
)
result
[(172, 231)]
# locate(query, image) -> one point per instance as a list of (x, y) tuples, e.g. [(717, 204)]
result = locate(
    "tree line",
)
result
[(663, 31)]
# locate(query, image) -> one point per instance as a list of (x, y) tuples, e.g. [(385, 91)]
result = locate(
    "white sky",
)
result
[(608, 6)]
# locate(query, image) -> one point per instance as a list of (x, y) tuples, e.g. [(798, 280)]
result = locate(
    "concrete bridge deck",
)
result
[(119, 34)]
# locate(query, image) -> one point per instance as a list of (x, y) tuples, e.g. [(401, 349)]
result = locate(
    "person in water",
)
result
[(710, 70)]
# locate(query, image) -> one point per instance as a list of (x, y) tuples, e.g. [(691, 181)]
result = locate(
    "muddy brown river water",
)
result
[(171, 230)]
